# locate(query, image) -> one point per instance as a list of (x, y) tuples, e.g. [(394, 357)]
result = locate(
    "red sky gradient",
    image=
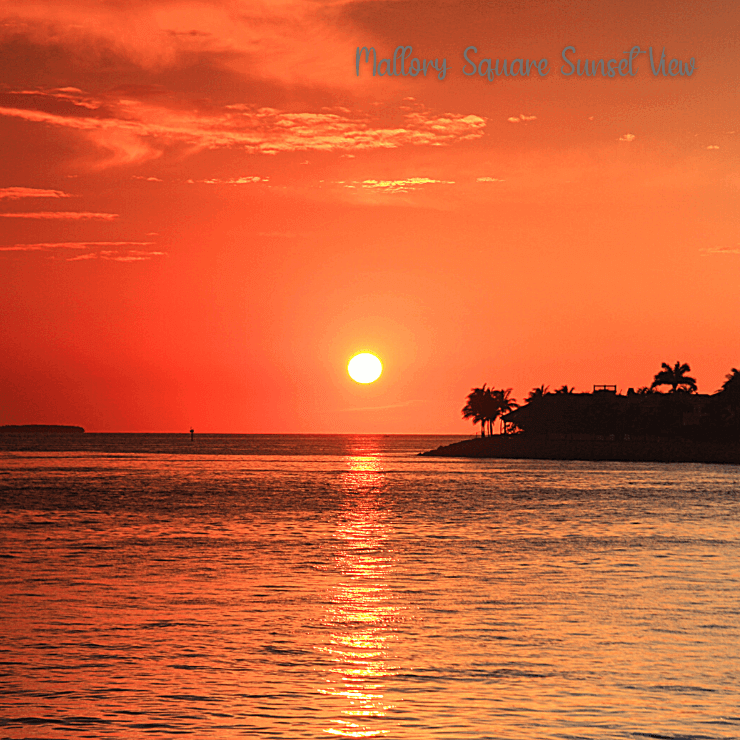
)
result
[(204, 212)]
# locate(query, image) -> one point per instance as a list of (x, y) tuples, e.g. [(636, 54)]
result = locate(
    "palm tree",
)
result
[(728, 403), (475, 407), (491, 408), (505, 403), (731, 386), (564, 390), (536, 393), (675, 377)]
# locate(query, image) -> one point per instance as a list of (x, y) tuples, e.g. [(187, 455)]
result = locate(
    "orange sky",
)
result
[(204, 211)]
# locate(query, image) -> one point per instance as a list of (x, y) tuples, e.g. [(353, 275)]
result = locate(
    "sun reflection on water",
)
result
[(362, 615)]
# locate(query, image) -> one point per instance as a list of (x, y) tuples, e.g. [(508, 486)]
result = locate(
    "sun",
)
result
[(364, 368)]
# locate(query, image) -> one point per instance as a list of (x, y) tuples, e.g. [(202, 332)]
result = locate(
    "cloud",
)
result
[(488, 179), (130, 255), (71, 245), (263, 41), (68, 94), (720, 250), (138, 130), (712, 147), (104, 254), (64, 215), (148, 179), (24, 248), (264, 37), (18, 193), (233, 181), (627, 137), (395, 186), (520, 118), (89, 256)]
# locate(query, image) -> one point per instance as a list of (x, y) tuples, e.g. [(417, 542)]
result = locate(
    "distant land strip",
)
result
[(519, 446), (40, 429)]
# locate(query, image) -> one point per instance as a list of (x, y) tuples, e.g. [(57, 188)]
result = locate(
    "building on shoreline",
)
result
[(604, 413)]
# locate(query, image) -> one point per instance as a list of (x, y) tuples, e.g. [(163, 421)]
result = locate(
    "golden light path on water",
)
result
[(363, 614)]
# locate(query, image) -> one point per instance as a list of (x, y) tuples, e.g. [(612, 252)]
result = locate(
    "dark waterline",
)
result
[(227, 444)]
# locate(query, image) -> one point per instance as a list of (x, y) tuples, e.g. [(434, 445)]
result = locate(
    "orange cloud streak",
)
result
[(66, 215), (15, 193), (137, 130)]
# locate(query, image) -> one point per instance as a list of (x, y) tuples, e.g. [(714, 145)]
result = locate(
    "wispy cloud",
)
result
[(627, 137), (111, 255), (137, 130), (131, 255), (488, 179), (118, 256), (264, 39), (68, 94), (115, 251), (521, 117), (46, 246), (64, 215), (18, 193), (711, 146), (233, 181), (720, 250), (80, 257), (395, 186), (24, 248)]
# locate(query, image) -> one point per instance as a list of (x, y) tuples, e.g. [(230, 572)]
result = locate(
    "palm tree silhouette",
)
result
[(485, 405), (504, 403), (731, 386), (537, 393), (491, 408), (564, 390), (675, 377), (475, 407)]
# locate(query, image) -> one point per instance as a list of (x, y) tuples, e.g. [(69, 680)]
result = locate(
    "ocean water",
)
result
[(316, 586)]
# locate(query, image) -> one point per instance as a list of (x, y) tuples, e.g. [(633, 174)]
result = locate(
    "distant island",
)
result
[(643, 425), (40, 429)]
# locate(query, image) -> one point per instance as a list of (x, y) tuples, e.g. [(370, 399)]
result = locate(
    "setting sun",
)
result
[(364, 368)]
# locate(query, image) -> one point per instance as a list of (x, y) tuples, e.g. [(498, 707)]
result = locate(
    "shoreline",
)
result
[(634, 450)]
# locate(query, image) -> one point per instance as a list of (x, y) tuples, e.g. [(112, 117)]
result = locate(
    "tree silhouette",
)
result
[(675, 377), (485, 405), (731, 386), (491, 408), (475, 407), (727, 405), (504, 403), (563, 390), (537, 393)]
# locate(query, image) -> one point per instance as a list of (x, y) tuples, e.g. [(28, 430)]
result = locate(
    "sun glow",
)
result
[(364, 368)]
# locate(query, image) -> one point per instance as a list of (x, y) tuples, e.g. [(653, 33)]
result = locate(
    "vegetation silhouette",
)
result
[(537, 393), (485, 405), (647, 424), (475, 408), (506, 404), (675, 377)]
